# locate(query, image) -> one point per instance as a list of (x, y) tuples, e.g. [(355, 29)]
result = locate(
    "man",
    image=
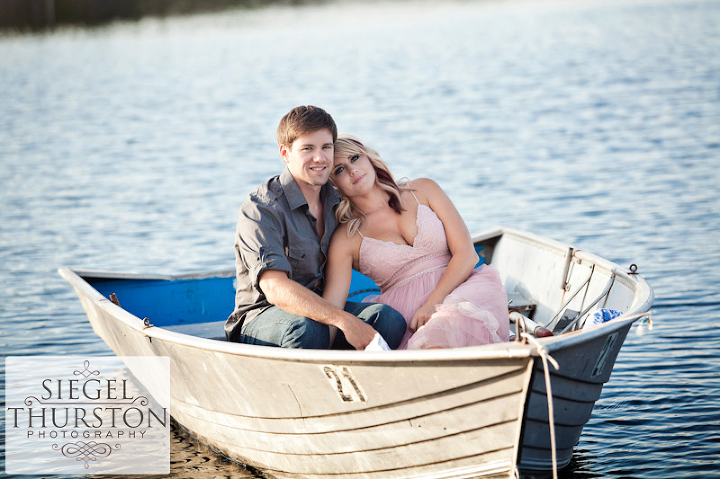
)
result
[(281, 245)]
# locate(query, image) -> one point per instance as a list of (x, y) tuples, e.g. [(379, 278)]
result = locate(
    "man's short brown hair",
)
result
[(302, 120)]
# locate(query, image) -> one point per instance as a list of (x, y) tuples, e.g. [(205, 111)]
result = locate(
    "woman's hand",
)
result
[(422, 316)]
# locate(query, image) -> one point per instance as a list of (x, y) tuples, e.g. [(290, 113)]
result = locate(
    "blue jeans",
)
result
[(276, 327)]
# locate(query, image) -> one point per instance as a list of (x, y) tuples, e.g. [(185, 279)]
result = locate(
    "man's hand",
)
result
[(357, 333)]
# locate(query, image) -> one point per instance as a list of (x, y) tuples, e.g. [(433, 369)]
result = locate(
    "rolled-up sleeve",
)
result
[(260, 241)]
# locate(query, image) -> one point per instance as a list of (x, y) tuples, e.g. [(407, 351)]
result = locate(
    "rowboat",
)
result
[(465, 412)]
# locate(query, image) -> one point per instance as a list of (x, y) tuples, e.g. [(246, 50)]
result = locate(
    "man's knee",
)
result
[(394, 326), (275, 327), (387, 321), (305, 333)]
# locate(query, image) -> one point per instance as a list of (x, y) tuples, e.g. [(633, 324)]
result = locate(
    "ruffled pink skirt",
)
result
[(475, 313)]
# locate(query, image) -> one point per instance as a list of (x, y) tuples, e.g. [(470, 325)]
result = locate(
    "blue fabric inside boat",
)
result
[(170, 302)]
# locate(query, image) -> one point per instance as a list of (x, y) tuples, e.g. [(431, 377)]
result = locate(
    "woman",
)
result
[(413, 243)]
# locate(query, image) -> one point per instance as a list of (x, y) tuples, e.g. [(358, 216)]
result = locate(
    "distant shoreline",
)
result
[(39, 15)]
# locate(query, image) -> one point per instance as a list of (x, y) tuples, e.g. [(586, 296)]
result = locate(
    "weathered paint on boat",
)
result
[(465, 412)]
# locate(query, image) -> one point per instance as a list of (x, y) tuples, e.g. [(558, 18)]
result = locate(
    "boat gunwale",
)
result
[(508, 350), (499, 351)]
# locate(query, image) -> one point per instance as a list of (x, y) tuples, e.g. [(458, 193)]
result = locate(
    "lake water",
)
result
[(130, 148)]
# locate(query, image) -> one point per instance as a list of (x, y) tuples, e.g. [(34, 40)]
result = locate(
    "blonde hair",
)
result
[(346, 146)]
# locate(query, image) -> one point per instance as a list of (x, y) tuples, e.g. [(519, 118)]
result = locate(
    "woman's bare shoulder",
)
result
[(424, 188), (341, 238)]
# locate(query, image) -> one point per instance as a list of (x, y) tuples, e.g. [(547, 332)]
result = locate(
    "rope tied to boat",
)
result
[(545, 357), (528, 338)]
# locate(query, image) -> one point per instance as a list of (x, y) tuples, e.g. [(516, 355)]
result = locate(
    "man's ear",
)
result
[(285, 153)]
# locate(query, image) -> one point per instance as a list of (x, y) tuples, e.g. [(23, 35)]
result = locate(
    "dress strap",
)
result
[(416, 198), (406, 182)]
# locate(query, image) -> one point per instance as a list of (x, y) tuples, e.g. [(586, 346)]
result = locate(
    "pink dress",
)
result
[(474, 313)]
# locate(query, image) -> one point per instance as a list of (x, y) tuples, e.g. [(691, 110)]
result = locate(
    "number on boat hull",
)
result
[(343, 381)]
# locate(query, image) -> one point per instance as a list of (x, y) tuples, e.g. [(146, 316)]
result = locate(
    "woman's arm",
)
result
[(338, 271), (464, 258)]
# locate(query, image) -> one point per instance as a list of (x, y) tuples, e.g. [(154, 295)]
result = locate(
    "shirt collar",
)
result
[(295, 197)]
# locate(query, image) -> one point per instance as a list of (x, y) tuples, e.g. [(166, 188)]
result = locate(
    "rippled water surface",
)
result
[(130, 148)]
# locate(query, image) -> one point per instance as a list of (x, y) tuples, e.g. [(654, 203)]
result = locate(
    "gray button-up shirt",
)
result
[(276, 231)]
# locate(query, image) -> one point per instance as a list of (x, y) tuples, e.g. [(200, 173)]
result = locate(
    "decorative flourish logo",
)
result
[(109, 415), (85, 451), (86, 372)]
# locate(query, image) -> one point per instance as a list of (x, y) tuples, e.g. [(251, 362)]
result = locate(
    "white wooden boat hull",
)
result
[(466, 412)]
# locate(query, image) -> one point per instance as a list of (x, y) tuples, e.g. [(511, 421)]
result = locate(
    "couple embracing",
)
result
[(336, 207)]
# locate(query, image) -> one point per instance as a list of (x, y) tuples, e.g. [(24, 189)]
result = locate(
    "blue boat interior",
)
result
[(176, 304)]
